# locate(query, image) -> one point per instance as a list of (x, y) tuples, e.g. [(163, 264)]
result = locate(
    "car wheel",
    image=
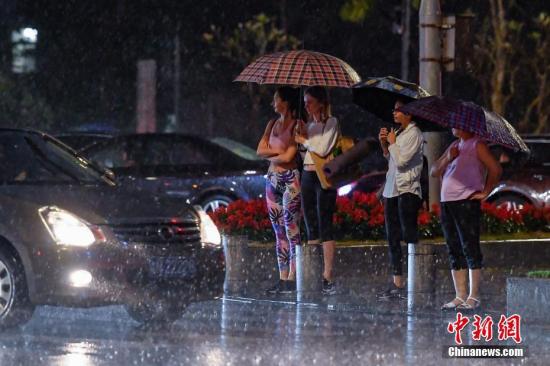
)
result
[(15, 306), (156, 312), (212, 203), (511, 201)]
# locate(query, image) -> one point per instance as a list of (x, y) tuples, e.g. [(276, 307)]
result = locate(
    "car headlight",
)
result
[(210, 235), (345, 190), (66, 228)]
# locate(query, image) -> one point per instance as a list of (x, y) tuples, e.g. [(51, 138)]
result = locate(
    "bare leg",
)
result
[(328, 256), (291, 276), (399, 281), (460, 280), (283, 275), (475, 281)]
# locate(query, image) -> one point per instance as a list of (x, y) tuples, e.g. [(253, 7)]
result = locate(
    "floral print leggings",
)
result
[(284, 207)]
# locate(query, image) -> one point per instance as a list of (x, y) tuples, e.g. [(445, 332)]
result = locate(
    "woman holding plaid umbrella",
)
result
[(469, 173), (315, 70), (319, 137)]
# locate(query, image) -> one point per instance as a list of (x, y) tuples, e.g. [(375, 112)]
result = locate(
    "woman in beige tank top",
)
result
[(283, 185)]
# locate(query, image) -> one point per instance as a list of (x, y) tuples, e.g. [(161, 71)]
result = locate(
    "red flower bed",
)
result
[(361, 217), (244, 218)]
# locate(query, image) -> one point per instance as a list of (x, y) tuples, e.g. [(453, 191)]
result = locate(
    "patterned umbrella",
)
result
[(467, 116), (301, 68), (377, 95)]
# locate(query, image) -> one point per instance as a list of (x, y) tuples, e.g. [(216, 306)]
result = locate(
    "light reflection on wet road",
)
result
[(239, 333)]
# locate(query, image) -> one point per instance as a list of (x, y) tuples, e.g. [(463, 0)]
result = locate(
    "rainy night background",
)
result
[(71, 66)]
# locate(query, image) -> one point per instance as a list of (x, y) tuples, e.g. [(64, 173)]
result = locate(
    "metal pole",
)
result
[(177, 78), (430, 79), (421, 261), (405, 38), (146, 96)]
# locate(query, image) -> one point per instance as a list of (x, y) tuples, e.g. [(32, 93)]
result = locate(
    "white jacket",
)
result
[(405, 160)]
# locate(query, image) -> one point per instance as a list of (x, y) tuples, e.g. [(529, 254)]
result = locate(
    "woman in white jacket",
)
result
[(319, 136), (402, 192)]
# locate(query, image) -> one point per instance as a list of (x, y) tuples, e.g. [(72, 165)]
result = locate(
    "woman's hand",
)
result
[(383, 136), (453, 152), (300, 133), (479, 196), (300, 139), (392, 137)]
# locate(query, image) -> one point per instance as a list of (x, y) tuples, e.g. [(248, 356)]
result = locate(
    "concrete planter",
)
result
[(528, 297), (237, 262)]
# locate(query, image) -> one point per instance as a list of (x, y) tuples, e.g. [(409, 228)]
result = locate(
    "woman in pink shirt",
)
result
[(283, 185), (469, 173)]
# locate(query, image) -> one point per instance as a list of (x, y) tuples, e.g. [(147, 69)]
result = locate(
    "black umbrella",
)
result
[(377, 95)]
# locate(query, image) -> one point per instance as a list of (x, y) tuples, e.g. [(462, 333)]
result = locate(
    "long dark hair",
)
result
[(292, 97), (321, 94)]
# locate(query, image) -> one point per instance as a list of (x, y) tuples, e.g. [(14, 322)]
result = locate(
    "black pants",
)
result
[(460, 221), (401, 216), (318, 205)]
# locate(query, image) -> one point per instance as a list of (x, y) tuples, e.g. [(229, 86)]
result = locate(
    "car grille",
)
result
[(158, 233)]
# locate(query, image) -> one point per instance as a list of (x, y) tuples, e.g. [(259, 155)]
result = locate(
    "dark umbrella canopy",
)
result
[(466, 116), (377, 95)]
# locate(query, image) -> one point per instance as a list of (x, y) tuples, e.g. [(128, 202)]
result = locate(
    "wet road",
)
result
[(230, 332)]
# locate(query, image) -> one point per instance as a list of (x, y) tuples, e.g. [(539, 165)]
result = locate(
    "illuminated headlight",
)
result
[(80, 278), (345, 190), (68, 229), (210, 235)]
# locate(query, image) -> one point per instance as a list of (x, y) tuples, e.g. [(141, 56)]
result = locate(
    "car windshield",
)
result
[(147, 151), (539, 152), (237, 148), (32, 159)]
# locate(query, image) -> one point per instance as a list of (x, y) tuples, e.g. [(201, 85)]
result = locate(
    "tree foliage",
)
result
[(249, 40), (355, 11), (255, 37), (22, 107), (511, 63)]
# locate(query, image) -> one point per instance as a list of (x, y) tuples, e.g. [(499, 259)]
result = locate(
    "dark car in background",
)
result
[(525, 180), (71, 236), (81, 140), (190, 167)]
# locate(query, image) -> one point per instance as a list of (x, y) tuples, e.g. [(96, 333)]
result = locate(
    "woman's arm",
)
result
[(322, 144), (264, 150), (494, 171), (286, 157), (383, 139), (440, 165)]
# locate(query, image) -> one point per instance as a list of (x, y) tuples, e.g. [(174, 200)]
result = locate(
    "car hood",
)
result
[(104, 204)]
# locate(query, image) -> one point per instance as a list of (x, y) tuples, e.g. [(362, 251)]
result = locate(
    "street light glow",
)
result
[(30, 34)]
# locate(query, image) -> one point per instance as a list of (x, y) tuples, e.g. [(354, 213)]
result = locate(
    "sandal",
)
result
[(466, 306), (452, 305)]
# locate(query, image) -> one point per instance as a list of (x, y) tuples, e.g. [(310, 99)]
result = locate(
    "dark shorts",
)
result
[(319, 205)]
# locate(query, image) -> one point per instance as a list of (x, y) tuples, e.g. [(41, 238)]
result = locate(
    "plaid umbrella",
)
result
[(466, 116), (377, 95), (304, 68)]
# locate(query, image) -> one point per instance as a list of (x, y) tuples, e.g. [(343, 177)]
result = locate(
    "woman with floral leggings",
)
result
[(283, 185)]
